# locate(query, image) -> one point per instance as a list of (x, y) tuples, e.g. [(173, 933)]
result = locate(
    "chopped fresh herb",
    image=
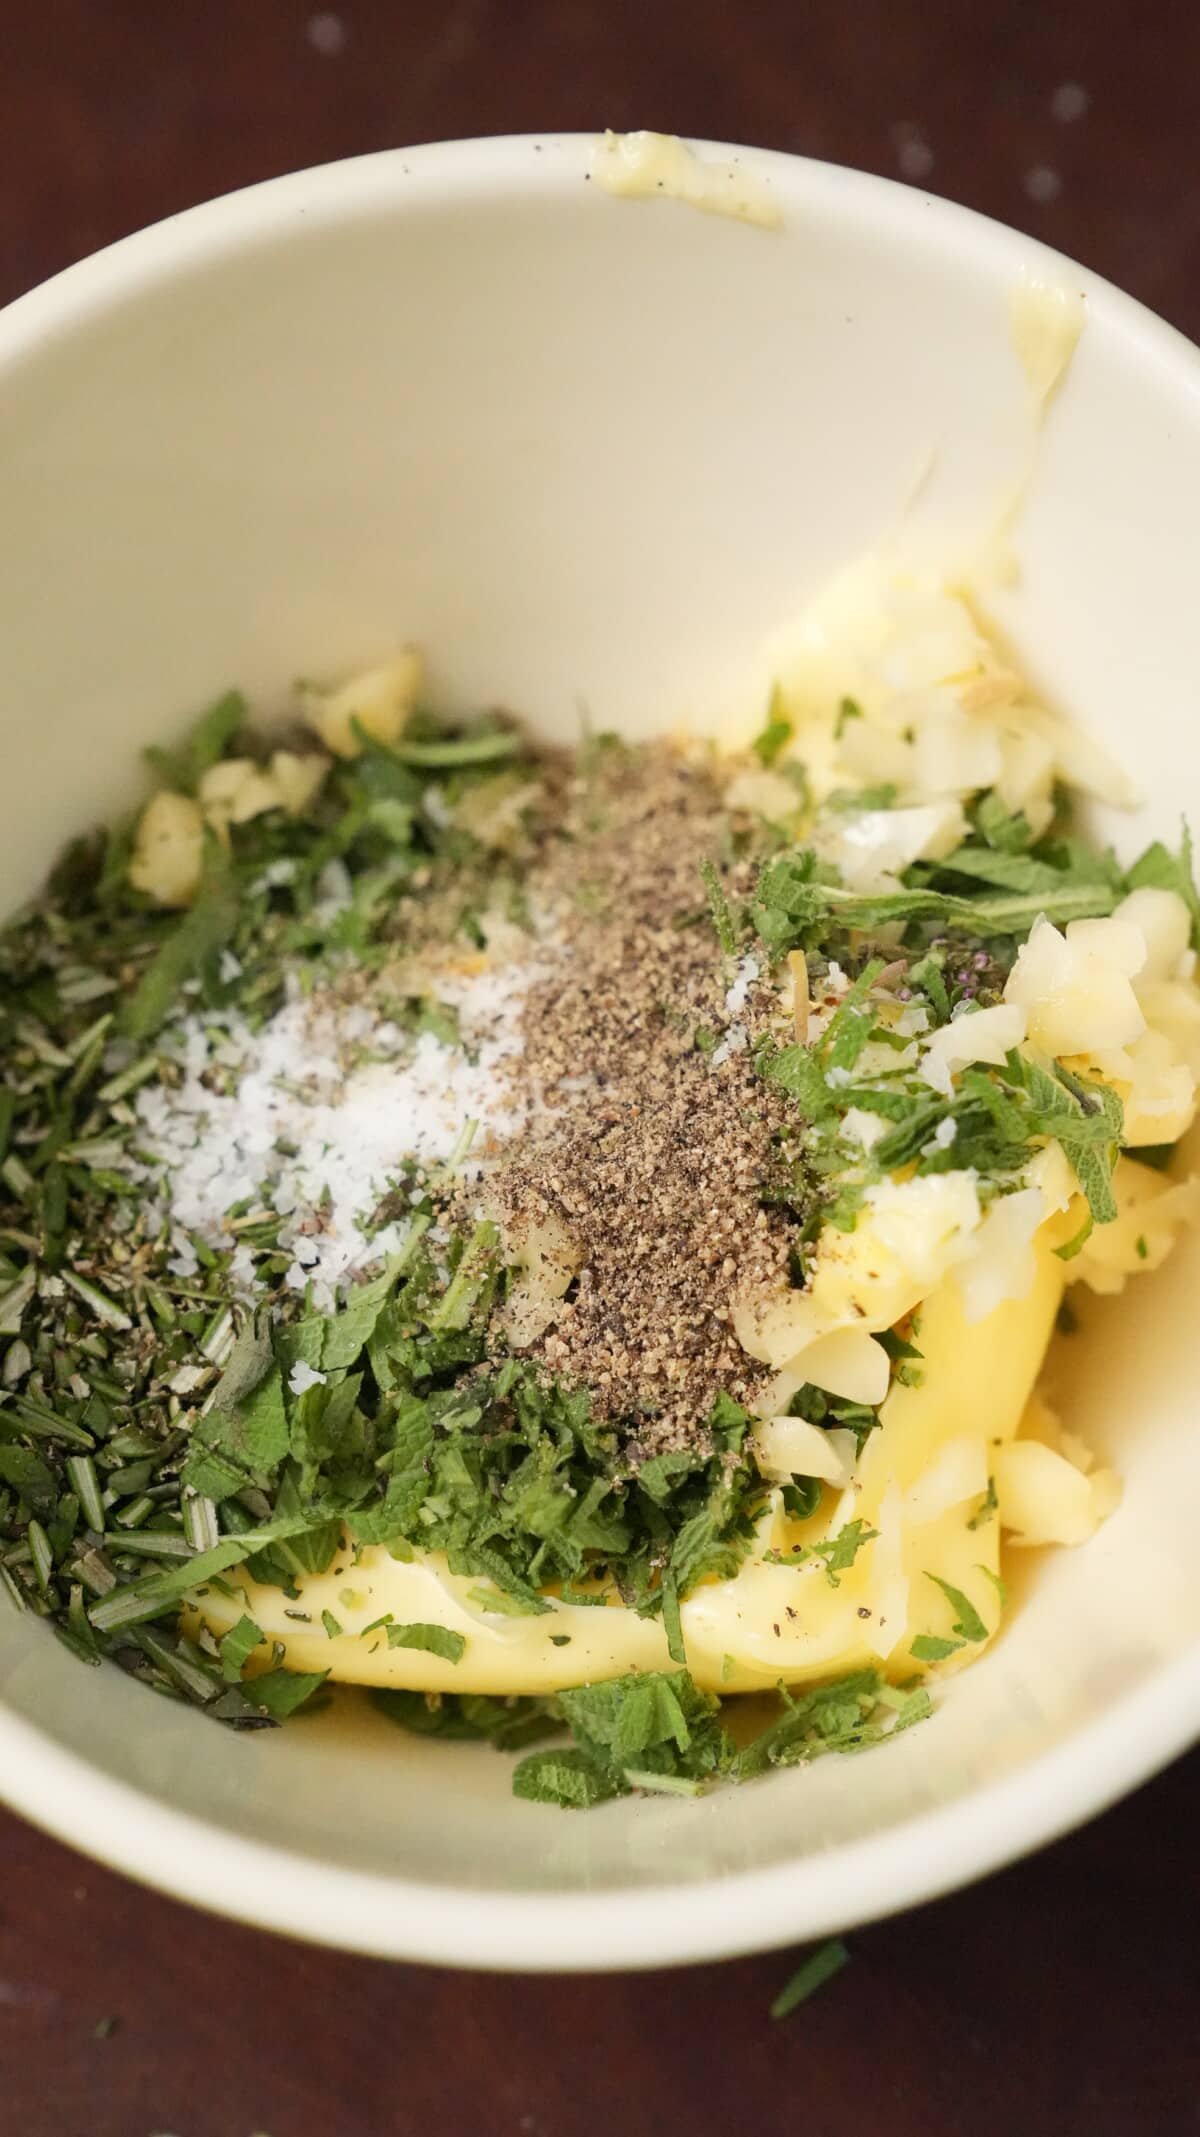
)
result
[(237, 1647), (969, 1625), (194, 942), (431, 1639), (1163, 870), (279, 1693), (208, 741), (776, 734), (571, 1779), (635, 1731), (850, 1714), (157, 1432), (929, 1647), (793, 906), (813, 1972), (1007, 831), (1078, 1240), (837, 1553), (672, 1622), (987, 1509), (997, 1584), (508, 1724)]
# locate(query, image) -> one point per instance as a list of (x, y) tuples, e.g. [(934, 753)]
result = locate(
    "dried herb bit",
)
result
[(818, 1967)]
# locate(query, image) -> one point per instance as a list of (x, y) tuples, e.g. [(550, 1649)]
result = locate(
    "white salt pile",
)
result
[(318, 1141)]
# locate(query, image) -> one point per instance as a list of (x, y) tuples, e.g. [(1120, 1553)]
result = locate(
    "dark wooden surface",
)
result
[(1061, 1996)]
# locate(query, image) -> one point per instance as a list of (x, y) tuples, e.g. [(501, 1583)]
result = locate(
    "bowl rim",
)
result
[(652, 1925), (633, 1928)]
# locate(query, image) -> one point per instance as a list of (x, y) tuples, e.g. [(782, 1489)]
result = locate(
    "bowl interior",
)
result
[(590, 453)]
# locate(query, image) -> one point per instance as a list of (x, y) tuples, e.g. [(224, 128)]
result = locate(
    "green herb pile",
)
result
[(118, 1376), (659, 1732), (151, 1437), (956, 928), (150, 1440)]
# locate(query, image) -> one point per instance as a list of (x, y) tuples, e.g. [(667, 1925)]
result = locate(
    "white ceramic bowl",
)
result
[(590, 448)]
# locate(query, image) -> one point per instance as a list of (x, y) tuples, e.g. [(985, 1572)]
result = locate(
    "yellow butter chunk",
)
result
[(1044, 1498), (168, 856), (770, 1621), (378, 701), (1152, 1210)]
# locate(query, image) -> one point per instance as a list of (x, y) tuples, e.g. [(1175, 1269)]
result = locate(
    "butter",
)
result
[(1045, 323), (646, 166), (766, 1623)]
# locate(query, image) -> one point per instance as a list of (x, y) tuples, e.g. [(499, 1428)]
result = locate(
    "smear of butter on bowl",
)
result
[(1045, 321), (643, 166)]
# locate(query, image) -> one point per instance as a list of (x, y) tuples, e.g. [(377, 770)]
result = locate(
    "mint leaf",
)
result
[(1161, 869), (850, 1026), (672, 1623), (969, 1624), (829, 1717), (794, 908), (629, 1717), (280, 1692), (430, 1639), (569, 1779), (1006, 831), (927, 1647), (796, 1070), (838, 1552), (30, 1476), (237, 1646), (1017, 872), (508, 1724), (244, 1431)]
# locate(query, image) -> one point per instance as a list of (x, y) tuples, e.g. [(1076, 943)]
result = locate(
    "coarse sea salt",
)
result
[(739, 992), (320, 1142)]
